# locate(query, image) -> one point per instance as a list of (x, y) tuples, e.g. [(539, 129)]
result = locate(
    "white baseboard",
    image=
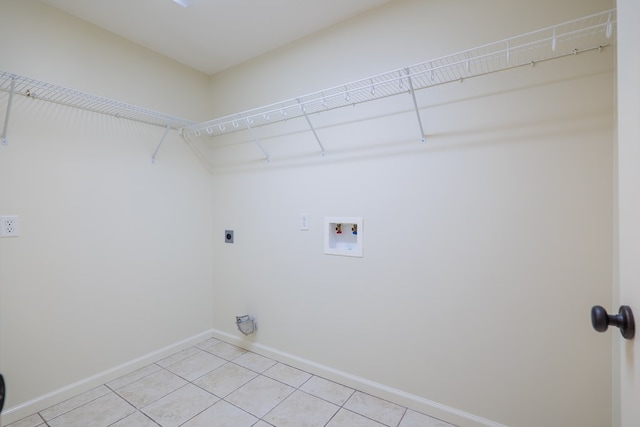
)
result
[(417, 403), (10, 415)]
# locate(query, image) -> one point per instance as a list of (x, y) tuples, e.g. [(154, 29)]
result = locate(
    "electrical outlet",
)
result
[(304, 222), (228, 236), (9, 226)]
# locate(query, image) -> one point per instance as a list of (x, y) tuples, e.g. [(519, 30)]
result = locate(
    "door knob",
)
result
[(1, 392), (623, 320)]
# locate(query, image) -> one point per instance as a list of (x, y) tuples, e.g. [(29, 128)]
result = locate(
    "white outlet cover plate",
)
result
[(304, 222), (9, 225)]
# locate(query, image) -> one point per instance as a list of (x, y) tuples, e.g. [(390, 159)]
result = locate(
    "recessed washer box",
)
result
[(343, 236)]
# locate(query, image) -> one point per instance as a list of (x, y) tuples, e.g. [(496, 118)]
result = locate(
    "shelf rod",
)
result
[(255, 138), (313, 130), (8, 113), (481, 60), (415, 105), (153, 157)]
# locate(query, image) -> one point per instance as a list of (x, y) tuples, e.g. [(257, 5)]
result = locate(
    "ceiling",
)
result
[(213, 35)]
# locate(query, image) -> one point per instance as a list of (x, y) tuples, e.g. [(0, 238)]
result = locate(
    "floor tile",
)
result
[(346, 418), (416, 419), (327, 390), (226, 351), (151, 388), (196, 366), (288, 375), (380, 410), (132, 377), (260, 395), (216, 384), (222, 414), (302, 410), (254, 361), (137, 419), (180, 406), (207, 344), (226, 379), (176, 357), (32, 421), (74, 402), (101, 412)]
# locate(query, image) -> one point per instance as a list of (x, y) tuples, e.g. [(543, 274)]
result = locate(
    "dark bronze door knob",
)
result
[(601, 320)]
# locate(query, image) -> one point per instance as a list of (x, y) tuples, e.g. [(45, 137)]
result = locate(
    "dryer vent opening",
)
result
[(246, 324)]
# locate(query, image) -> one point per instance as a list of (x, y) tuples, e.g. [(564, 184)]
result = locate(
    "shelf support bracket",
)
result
[(415, 105), (255, 138), (313, 130), (155, 152), (8, 113)]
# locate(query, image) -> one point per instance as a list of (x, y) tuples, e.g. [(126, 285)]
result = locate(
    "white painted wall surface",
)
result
[(627, 384), (485, 248), (114, 258)]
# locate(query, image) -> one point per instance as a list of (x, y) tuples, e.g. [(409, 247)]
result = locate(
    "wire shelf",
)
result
[(568, 38), (72, 98)]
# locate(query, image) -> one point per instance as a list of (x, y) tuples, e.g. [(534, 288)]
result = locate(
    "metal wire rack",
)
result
[(24, 86), (20, 85), (568, 38)]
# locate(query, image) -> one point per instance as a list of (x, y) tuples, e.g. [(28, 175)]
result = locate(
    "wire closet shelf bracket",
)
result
[(15, 84), (590, 33)]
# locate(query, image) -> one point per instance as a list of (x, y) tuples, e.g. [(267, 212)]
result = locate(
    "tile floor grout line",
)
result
[(243, 410), (228, 394), (279, 403), (75, 407), (356, 413), (138, 411), (205, 409), (299, 388), (404, 414), (125, 416), (366, 406), (115, 390)]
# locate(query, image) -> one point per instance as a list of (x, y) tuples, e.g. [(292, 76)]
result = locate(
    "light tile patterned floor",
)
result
[(216, 384)]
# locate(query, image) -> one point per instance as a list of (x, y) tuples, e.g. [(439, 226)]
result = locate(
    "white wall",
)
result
[(114, 259), (626, 354), (485, 248)]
